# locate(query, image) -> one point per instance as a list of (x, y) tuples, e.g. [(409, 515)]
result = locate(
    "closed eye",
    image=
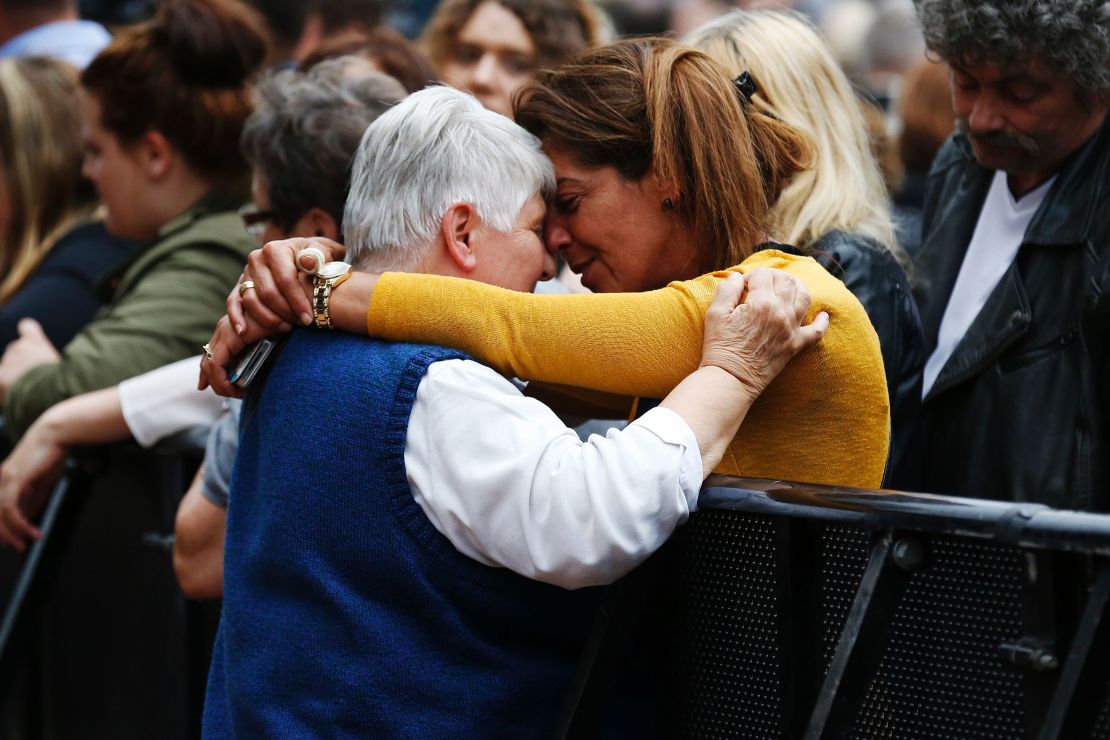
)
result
[(567, 205)]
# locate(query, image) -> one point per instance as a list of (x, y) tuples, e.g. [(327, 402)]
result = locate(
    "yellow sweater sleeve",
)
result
[(825, 419)]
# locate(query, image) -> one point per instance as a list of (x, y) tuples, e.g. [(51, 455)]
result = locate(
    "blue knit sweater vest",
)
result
[(346, 613)]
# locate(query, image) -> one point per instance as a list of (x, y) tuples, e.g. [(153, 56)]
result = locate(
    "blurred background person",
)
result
[(343, 19), (686, 15), (491, 48), (386, 49), (52, 255), (116, 13), (927, 119), (164, 107), (893, 44), (299, 141), (51, 28), (844, 26), (162, 110), (838, 209), (294, 30)]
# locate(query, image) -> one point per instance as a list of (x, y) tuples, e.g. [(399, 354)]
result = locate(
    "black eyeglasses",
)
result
[(255, 220)]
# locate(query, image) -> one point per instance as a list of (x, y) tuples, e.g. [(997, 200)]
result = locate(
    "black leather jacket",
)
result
[(1020, 410), (874, 276)]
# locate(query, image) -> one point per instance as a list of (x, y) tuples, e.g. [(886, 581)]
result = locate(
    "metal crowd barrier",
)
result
[(778, 611), (96, 639), (791, 611)]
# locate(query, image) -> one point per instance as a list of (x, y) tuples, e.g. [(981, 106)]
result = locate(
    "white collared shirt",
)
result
[(510, 485)]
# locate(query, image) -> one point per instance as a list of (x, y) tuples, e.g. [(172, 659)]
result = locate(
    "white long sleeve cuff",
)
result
[(165, 401)]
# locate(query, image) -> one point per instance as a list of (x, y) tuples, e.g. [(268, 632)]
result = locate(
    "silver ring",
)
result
[(207, 351), (245, 286)]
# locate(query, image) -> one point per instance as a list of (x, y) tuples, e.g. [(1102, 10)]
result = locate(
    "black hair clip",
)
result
[(747, 85)]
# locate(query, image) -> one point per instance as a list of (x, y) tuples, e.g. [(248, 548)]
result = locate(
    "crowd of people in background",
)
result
[(858, 243)]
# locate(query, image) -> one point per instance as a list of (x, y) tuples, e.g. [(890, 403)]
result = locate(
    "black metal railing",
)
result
[(96, 639), (779, 610), (798, 611)]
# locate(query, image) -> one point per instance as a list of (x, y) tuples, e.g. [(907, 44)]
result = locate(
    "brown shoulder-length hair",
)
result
[(184, 74), (558, 28), (40, 158), (654, 106)]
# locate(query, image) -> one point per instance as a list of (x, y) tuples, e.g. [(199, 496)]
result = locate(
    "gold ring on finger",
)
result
[(245, 286)]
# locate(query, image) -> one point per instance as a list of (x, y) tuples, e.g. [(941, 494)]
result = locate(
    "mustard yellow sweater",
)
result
[(825, 419)]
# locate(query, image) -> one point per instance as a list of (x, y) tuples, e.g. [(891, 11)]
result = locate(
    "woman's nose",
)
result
[(556, 237)]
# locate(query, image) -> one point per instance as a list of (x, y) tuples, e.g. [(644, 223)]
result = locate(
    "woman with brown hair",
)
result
[(838, 210), (163, 108), (491, 48), (665, 171), (51, 255)]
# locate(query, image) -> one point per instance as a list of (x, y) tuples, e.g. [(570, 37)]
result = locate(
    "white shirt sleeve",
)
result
[(166, 401), (510, 485)]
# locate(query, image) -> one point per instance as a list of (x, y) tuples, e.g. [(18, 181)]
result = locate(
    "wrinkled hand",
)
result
[(754, 340), (280, 297), (26, 479), (30, 350)]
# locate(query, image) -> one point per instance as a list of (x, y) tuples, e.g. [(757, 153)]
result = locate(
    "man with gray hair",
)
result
[(300, 140), (1014, 272), (411, 541)]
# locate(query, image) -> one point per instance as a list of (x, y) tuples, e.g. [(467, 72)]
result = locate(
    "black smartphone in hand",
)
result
[(252, 362)]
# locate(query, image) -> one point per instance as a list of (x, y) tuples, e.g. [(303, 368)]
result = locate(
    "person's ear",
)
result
[(666, 194), (318, 222), (457, 228), (156, 155)]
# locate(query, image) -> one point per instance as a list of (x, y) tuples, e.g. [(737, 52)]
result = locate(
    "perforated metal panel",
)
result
[(940, 675), (844, 552), (761, 601), (1102, 724), (734, 670)]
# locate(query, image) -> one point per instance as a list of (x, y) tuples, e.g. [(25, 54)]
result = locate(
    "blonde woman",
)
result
[(51, 255), (838, 209)]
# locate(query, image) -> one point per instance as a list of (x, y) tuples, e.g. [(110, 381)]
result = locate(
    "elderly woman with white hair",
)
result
[(409, 536)]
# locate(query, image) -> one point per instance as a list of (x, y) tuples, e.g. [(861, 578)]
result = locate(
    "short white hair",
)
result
[(435, 148)]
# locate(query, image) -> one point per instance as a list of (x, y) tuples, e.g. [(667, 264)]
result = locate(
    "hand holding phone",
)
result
[(252, 362)]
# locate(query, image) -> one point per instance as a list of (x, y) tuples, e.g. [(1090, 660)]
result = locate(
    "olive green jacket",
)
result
[(163, 307)]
